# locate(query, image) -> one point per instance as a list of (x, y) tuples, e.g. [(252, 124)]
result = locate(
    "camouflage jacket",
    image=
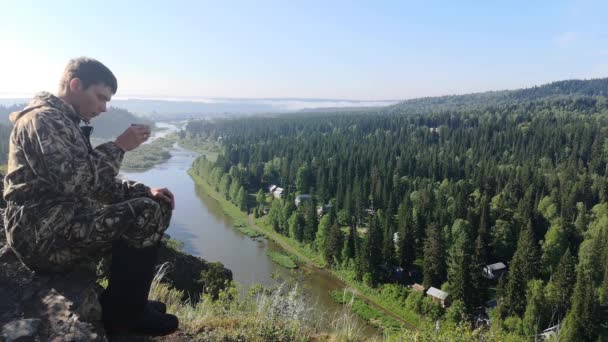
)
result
[(50, 162)]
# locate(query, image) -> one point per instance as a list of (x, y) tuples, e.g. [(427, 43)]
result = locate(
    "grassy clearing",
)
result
[(368, 313), (303, 252), (389, 296), (282, 259)]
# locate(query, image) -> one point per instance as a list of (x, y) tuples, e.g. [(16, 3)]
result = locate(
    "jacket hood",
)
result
[(45, 99)]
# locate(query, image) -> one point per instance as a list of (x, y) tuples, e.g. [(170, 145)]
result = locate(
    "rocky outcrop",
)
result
[(193, 275), (64, 307), (47, 307)]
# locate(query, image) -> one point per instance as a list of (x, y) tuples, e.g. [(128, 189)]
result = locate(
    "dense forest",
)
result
[(433, 190)]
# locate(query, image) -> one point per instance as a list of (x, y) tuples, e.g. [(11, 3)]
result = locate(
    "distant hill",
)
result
[(188, 108), (568, 88), (107, 125)]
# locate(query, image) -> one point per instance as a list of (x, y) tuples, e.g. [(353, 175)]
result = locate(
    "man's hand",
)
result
[(132, 137), (163, 194)]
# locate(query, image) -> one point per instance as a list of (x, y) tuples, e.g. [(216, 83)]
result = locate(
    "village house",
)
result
[(438, 296), (322, 210), (550, 333), (276, 191), (417, 287), (494, 271)]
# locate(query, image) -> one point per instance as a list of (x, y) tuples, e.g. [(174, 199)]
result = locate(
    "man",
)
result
[(65, 206)]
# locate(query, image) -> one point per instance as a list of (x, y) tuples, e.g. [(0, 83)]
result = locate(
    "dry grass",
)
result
[(278, 314)]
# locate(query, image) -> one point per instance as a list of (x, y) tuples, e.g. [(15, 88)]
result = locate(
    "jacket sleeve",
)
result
[(120, 191), (58, 156)]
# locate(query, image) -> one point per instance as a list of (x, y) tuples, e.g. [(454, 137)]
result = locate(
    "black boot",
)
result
[(125, 301)]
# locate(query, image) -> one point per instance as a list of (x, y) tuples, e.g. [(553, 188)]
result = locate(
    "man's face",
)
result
[(91, 101)]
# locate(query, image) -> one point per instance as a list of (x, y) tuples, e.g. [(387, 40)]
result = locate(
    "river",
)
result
[(199, 223)]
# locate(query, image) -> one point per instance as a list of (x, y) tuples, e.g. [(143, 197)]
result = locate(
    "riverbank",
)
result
[(148, 155), (312, 259)]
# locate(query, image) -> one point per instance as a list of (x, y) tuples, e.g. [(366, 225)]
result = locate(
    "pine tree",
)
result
[(388, 248), (459, 270), (234, 190), (559, 289), (554, 245), (373, 250), (407, 240), (482, 241), (224, 187), (322, 233), (349, 244), (334, 245), (479, 283), (581, 322), (434, 257), (523, 268), (296, 226), (260, 197), (241, 199), (536, 315), (312, 221)]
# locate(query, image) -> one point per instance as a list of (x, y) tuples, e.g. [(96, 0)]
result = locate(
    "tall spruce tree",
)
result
[(536, 316), (333, 248), (581, 322), (434, 272), (349, 245), (460, 269), (523, 267), (373, 250), (559, 289), (388, 245), (407, 240)]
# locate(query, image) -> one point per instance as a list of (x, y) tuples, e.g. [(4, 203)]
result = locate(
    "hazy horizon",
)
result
[(207, 99)]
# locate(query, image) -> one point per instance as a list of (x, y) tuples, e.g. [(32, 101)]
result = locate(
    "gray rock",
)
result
[(65, 307), (21, 330)]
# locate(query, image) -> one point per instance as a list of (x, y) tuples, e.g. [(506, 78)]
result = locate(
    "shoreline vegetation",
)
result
[(148, 155), (364, 304)]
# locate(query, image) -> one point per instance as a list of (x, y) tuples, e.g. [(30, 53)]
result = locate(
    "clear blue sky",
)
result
[(321, 49)]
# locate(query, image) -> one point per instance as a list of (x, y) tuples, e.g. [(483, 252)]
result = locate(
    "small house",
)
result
[(272, 188), (550, 333), (278, 192), (417, 287), (438, 296), (494, 271), (322, 210)]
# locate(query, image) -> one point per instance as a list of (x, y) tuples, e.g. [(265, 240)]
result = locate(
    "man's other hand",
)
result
[(132, 137), (163, 194)]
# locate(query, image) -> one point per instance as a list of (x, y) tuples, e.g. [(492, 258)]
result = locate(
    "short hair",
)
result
[(90, 71)]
